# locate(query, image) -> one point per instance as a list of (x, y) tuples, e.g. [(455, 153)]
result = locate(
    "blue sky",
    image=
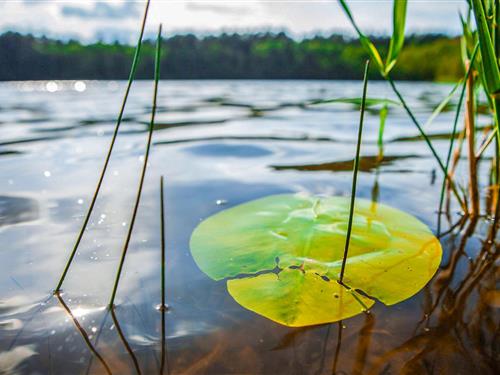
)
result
[(89, 20)]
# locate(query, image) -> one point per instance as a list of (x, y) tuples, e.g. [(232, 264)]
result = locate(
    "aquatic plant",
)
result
[(281, 256), (90, 209), (454, 129), (385, 67), (354, 176), (163, 306), (143, 172), (83, 333)]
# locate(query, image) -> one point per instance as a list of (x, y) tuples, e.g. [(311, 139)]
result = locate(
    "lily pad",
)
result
[(281, 256)]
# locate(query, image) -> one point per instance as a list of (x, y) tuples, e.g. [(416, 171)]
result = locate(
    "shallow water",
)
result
[(218, 144)]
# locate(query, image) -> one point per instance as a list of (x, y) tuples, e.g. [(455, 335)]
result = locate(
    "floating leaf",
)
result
[(281, 256)]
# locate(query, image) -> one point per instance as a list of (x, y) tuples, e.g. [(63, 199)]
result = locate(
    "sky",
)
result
[(89, 20)]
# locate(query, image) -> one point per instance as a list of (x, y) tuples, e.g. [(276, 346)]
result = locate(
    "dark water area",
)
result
[(219, 144)]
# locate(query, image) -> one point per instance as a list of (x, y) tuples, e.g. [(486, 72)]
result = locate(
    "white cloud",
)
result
[(115, 18)]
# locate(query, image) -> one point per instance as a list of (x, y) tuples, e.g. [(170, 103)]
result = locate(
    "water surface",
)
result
[(218, 144)]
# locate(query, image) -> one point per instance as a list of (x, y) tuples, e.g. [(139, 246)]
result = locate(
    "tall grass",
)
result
[(162, 223), (163, 306), (454, 130), (395, 46), (143, 172), (487, 16), (355, 172), (487, 39), (131, 78)]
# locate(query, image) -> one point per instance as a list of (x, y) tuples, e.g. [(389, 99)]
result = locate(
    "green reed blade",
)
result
[(398, 33), (497, 33), (144, 167), (380, 140), (355, 172), (442, 105), (131, 78), (488, 56), (374, 53), (365, 41), (454, 130)]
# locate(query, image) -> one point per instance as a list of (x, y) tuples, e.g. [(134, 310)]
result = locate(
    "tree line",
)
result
[(429, 57)]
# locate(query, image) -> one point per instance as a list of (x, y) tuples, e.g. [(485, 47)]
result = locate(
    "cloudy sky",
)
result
[(89, 20)]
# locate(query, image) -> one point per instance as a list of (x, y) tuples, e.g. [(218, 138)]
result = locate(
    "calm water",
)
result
[(218, 144)]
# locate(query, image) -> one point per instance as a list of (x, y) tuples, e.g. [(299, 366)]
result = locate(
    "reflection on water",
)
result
[(366, 164), (16, 210), (251, 139)]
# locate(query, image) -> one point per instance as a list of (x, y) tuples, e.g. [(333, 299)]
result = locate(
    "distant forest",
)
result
[(226, 56)]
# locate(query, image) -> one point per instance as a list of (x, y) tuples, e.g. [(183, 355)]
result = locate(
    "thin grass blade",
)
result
[(143, 173), (442, 105), (427, 141), (455, 122), (355, 172), (131, 78), (163, 306)]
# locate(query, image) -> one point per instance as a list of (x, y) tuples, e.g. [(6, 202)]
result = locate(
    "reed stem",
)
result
[(471, 140), (427, 141), (163, 307), (355, 172), (143, 173), (162, 223), (447, 176), (131, 78)]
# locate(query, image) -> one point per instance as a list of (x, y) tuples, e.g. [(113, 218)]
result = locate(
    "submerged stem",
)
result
[(125, 343), (110, 150), (84, 334), (337, 349), (143, 173), (355, 172)]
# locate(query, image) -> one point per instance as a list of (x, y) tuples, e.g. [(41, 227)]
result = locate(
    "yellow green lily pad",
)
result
[(281, 256)]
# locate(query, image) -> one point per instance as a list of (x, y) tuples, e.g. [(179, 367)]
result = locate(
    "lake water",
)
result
[(219, 144)]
